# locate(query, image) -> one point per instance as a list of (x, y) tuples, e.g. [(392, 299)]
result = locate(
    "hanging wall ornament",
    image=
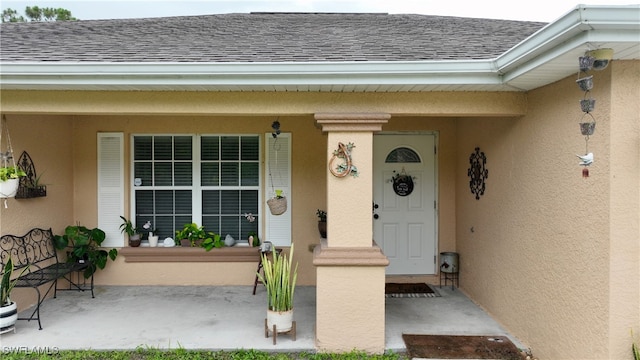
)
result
[(477, 173), (591, 60), (346, 167), (402, 183), (585, 160)]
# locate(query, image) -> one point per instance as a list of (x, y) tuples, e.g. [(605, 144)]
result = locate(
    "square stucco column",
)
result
[(350, 267)]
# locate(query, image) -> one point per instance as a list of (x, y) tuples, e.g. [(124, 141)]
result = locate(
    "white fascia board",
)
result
[(581, 26)]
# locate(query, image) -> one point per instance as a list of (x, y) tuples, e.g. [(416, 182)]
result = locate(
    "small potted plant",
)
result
[(8, 308), (153, 239), (279, 279), (195, 236), (191, 235), (84, 247), (252, 236), (322, 223), (131, 231)]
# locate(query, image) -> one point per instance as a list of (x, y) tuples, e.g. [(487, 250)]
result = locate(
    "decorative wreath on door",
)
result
[(402, 184)]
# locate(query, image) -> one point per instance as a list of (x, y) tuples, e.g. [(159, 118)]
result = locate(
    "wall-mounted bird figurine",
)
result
[(586, 160)]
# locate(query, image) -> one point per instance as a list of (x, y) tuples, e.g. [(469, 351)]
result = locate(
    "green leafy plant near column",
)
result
[(84, 244), (279, 279)]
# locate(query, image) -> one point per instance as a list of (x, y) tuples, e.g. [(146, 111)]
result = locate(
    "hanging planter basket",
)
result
[(277, 205), (9, 188), (9, 171)]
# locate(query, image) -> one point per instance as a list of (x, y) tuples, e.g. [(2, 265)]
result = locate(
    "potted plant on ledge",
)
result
[(8, 308), (131, 231), (195, 236), (279, 279)]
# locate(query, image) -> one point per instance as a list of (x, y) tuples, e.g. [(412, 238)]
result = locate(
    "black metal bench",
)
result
[(36, 251)]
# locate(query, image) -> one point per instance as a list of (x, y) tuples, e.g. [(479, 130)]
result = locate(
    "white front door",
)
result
[(404, 211)]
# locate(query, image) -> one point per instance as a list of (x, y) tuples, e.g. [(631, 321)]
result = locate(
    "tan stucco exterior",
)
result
[(544, 250)]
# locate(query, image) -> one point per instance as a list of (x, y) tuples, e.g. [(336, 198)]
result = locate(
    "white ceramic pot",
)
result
[(283, 320), (9, 188), (8, 316), (153, 240)]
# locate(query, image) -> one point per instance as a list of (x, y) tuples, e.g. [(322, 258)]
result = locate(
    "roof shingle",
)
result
[(264, 37)]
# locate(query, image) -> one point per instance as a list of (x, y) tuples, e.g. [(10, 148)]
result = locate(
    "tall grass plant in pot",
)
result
[(279, 279)]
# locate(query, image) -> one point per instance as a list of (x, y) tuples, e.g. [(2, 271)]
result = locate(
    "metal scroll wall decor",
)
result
[(477, 172), (592, 60), (346, 167), (30, 186)]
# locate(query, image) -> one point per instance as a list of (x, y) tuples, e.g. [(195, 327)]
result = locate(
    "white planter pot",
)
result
[(8, 316), (283, 320), (9, 188), (153, 240)]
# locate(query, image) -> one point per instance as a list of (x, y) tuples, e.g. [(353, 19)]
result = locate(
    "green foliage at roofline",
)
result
[(37, 14)]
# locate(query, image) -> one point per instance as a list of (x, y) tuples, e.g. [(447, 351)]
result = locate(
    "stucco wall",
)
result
[(48, 141), (542, 256), (536, 250), (624, 278)]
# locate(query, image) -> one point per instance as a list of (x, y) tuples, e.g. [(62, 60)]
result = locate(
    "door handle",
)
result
[(375, 206)]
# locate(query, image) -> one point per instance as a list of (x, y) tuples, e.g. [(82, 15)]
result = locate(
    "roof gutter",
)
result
[(285, 73), (577, 28)]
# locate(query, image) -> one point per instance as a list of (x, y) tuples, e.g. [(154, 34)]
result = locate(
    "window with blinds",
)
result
[(207, 179)]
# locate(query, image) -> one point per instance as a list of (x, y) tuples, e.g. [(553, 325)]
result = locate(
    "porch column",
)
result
[(350, 268)]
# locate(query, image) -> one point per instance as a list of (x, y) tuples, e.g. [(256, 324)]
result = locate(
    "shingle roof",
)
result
[(264, 37)]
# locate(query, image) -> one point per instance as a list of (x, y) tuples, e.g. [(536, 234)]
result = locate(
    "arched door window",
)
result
[(402, 155), (401, 181)]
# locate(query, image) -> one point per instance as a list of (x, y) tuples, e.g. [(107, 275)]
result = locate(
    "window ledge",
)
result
[(190, 254)]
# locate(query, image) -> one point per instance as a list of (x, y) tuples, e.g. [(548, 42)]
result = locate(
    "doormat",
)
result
[(415, 290), (461, 347)]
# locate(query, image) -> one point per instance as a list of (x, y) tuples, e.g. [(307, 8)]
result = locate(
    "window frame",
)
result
[(196, 187)]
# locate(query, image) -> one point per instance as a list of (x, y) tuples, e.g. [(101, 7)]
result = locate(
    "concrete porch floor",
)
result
[(221, 318)]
